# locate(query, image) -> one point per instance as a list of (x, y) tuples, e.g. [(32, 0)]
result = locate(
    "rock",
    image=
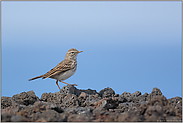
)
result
[(142, 109), (24, 98), (107, 92), (99, 111), (38, 107), (158, 100), (56, 97), (121, 99), (45, 97), (105, 116), (70, 89), (82, 98), (78, 110), (49, 116), (158, 109), (125, 106), (12, 109), (82, 95), (18, 118), (176, 102), (108, 117), (107, 103), (155, 92), (74, 105), (126, 96), (6, 117), (116, 95), (154, 114), (136, 94), (89, 91), (63, 100), (91, 99), (5, 102), (79, 114), (169, 111), (173, 119), (131, 117), (11, 116), (43, 106), (80, 118), (140, 99), (70, 101)]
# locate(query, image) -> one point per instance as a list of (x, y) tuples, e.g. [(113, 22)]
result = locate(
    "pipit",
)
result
[(64, 69)]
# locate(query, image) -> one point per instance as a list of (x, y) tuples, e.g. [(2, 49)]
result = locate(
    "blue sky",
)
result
[(127, 46)]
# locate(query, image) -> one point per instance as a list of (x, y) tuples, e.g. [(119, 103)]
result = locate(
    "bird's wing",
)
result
[(61, 67)]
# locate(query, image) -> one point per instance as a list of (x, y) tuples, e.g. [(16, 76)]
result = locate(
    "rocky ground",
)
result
[(72, 104)]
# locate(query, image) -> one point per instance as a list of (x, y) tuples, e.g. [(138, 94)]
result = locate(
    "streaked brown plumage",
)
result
[(64, 69)]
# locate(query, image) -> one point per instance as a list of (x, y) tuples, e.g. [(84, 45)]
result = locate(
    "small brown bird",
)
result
[(64, 69)]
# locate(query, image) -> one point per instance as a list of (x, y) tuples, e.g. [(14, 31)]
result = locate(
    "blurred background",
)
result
[(127, 46)]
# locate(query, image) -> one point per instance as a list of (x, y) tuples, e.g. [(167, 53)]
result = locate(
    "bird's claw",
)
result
[(74, 85)]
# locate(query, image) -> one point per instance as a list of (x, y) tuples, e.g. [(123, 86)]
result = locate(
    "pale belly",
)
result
[(66, 75)]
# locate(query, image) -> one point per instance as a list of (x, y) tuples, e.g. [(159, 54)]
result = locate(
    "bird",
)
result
[(64, 69)]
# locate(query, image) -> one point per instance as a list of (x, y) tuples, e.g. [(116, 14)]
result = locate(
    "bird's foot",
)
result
[(74, 84)]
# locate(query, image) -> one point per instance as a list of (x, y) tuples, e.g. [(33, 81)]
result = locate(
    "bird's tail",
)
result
[(36, 77)]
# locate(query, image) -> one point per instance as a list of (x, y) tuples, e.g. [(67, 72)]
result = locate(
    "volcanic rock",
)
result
[(75, 105), (24, 98)]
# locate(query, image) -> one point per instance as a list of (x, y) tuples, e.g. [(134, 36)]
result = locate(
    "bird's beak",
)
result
[(80, 51)]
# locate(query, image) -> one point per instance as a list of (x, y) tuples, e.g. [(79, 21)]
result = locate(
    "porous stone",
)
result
[(154, 114), (49, 116), (158, 100), (121, 99), (136, 94), (70, 100), (76, 105), (131, 116), (5, 102), (140, 99), (18, 118), (89, 91), (91, 99), (176, 102), (125, 106), (6, 117), (80, 118), (70, 89), (78, 110), (107, 92), (82, 95), (155, 92), (56, 97), (82, 98), (127, 96), (25, 98)]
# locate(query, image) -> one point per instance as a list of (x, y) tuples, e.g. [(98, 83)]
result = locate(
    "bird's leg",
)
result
[(57, 84), (67, 83)]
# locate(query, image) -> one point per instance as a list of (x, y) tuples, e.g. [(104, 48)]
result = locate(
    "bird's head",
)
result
[(72, 54)]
